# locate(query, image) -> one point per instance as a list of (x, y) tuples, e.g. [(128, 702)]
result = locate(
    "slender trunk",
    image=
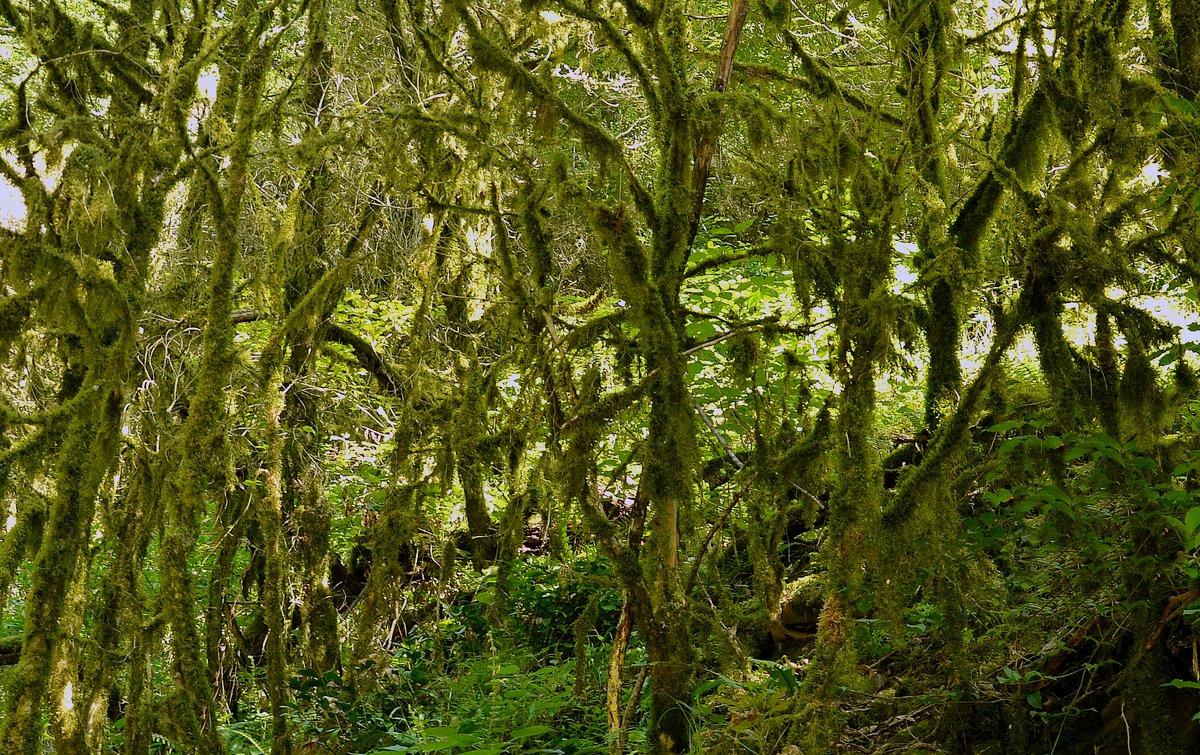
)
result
[(66, 684), (270, 519), (117, 609), (309, 515), (1185, 21), (86, 457)]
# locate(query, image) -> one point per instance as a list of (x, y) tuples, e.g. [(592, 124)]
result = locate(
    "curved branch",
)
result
[(370, 360), (718, 260), (489, 55), (951, 430)]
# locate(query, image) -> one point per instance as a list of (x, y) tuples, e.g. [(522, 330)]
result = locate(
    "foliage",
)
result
[(597, 375)]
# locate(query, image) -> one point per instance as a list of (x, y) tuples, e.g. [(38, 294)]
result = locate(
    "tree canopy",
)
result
[(599, 376)]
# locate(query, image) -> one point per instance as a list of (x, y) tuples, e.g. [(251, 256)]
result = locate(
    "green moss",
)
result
[(582, 629), (83, 463)]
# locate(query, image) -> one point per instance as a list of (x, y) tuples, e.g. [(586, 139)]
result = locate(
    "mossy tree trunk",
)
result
[(1185, 23), (852, 546), (392, 538), (270, 522), (205, 465), (86, 457), (926, 57), (648, 240), (116, 608), (307, 508), (91, 295), (468, 434), (147, 487)]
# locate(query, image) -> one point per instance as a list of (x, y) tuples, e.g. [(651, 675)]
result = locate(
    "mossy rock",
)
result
[(802, 601)]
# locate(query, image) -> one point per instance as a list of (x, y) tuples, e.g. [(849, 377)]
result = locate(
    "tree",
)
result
[(313, 305)]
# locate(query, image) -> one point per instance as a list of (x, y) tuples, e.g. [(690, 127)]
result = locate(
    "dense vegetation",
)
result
[(573, 376)]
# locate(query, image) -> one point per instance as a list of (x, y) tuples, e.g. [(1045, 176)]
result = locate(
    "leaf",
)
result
[(369, 473), (1191, 520), (1176, 524), (1005, 426), (1076, 452), (743, 226), (454, 740), (1182, 684), (1062, 507), (1010, 445), (530, 731), (1114, 455), (702, 329), (1184, 106), (720, 681), (1003, 495), (782, 674)]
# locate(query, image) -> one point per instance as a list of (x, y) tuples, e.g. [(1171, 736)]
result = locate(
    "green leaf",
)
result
[(1076, 452), (1187, 107), (702, 329), (1176, 524), (743, 226), (1114, 455), (369, 473), (1191, 520), (530, 731), (1010, 445), (446, 743), (1182, 684), (1003, 495), (1005, 426)]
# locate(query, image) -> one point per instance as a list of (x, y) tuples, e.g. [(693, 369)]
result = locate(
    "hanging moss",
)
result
[(582, 628), (1141, 396), (512, 535), (14, 314), (19, 542), (1055, 355)]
